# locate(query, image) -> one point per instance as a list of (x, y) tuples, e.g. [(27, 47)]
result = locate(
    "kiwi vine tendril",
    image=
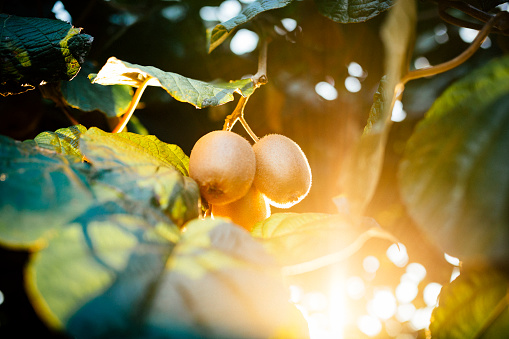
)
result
[(448, 65), (132, 106)]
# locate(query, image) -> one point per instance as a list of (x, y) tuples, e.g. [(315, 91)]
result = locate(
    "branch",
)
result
[(132, 106), (448, 65)]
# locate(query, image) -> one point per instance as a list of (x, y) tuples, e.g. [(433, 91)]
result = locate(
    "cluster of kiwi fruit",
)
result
[(240, 181)]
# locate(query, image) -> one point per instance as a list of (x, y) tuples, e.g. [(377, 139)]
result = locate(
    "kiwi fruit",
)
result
[(282, 174), (245, 212), (223, 164)]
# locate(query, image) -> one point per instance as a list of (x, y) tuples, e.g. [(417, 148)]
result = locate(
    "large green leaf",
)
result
[(454, 177), (117, 277), (364, 168), (198, 93), (309, 241), (82, 94), (351, 11), (221, 31), (144, 168), (63, 141), (40, 191), (34, 50), (474, 305)]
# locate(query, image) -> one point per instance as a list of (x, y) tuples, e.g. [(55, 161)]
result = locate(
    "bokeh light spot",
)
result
[(406, 291), (398, 113), (352, 84), (61, 13), (244, 41), (452, 260), (228, 9), (369, 325), (421, 62), (383, 305), (208, 13), (405, 312), (430, 293), (421, 318), (355, 287), (370, 264), (355, 70), (417, 271), (326, 90), (397, 254), (289, 24)]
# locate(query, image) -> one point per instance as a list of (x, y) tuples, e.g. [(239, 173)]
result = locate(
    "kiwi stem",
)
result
[(132, 106), (248, 129), (448, 65)]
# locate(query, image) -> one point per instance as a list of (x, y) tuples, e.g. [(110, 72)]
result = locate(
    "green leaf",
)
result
[(198, 93), (63, 141), (474, 305), (144, 168), (352, 11), (221, 31), (40, 191), (35, 50), (80, 93), (454, 176), (363, 169), (117, 277), (309, 241)]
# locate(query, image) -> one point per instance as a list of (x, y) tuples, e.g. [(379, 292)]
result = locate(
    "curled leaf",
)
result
[(35, 50), (198, 93)]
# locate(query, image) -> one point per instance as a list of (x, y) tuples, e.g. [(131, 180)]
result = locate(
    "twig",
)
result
[(232, 119), (132, 106), (448, 65), (260, 78)]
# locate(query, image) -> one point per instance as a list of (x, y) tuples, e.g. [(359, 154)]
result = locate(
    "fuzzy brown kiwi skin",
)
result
[(282, 174), (246, 211), (223, 164)]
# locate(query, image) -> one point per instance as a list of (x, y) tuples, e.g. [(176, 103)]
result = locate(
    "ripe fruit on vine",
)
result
[(223, 164), (282, 174), (245, 212)]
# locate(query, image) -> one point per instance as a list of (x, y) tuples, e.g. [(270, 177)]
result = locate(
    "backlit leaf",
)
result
[(351, 11), (144, 168), (221, 31), (309, 241), (198, 93), (364, 168), (121, 278), (34, 50), (474, 305), (64, 141), (80, 93), (454, 176), (40, 191)]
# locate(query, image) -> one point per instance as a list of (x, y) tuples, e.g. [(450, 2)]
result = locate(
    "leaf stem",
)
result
[(448, 65), (260, 78), (132, 106)]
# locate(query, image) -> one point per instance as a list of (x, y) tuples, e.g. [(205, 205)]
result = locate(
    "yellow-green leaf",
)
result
[(198, 93)]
